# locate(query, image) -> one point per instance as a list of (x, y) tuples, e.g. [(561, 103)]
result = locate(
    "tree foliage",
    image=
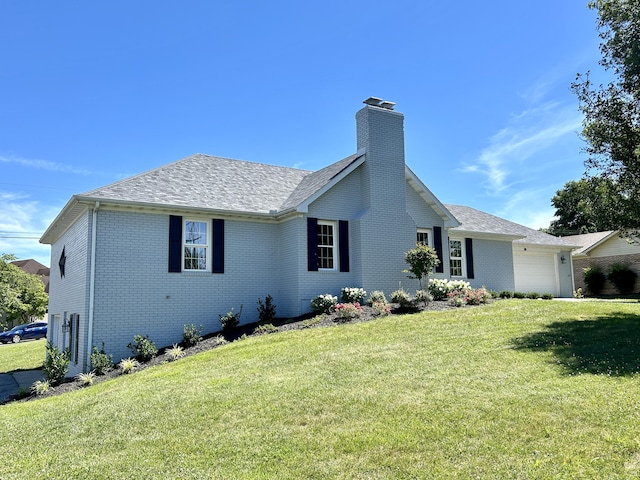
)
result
[(422, 260), (611, 126), (22, 294), (585, 206)]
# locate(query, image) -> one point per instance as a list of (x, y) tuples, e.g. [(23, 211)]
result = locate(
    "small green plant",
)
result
[(230, 320), (422, 260), (324, 303), (174, 353), (377, 296), (40, 387), (100, 361), (265, 329), (578, 293), (56, 364), (506, 294), (547, 296), (345, 311), (381, 309), (457, 301), (128, 365), (266, 310), (352, 295), (424, 297), (191, 335), (533, 295), (310, 322), (594, 279), (86, 379), (219, 340), (401, 298), (143, 348), (622, 277), (519, 295)]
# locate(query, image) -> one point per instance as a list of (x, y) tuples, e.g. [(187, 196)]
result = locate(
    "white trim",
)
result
[(429, 232), (463, 257), (206, 245), (92, 286), (334, 247)]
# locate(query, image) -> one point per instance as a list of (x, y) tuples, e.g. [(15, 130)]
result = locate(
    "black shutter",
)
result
[(468, 245), (343, 244), (312, 244), (437, 243), (217, 240), (175, 243)]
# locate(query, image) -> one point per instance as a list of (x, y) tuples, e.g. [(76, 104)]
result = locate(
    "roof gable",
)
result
[(589, 241)]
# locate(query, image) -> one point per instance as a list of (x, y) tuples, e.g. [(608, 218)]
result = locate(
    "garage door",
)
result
[(535, 272)]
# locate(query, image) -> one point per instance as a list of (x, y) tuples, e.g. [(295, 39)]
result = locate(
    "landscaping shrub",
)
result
[(381, 309), (348, 310), (422, 260), (40, 387), (469, 296), (101, 363), (505, 294), (594, 279), (191, 335), (519, 295), (533, 295), (401, 298), (174, 353), (622, 277), (143, 348), (86, 379), (424, 297), (547, 296), (265, 329), (230, 320), (578, 293), (266, 310), (377, 296), (56, 364), (440, 288), (128, 365), (324, 303), (352, 295)]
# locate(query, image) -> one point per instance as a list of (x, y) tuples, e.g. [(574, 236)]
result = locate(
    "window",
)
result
[(326, 245), (455, 258), (196, 245), (423, 236)]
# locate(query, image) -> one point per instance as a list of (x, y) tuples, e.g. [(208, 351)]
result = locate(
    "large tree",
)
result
[(22, 294), (611, 126), (585, 206)]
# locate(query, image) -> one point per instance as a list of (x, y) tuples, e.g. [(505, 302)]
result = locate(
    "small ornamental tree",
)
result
[(422, 260)]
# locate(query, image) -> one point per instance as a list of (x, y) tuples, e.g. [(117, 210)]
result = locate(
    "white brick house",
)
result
[(188, 241)]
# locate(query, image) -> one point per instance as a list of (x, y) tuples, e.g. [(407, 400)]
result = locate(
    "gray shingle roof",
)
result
[(473, 220), (203, 181), (588, 240)]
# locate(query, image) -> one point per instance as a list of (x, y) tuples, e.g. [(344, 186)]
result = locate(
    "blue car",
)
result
[(28, 331)]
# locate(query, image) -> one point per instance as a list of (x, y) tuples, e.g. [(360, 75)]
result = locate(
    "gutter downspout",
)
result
[(92, 284)]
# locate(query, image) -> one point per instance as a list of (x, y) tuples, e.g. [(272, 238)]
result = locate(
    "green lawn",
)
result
[(516, 389), (25, 355)]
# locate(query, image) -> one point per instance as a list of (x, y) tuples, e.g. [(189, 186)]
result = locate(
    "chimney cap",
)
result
[(373, 101), (378, 102)]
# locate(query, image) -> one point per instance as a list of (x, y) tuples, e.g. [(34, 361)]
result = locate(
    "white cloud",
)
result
[(45, 165)]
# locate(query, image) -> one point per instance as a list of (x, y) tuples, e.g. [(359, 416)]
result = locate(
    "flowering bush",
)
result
[(469, 296), (424, 297), (440, 288), (401, 298), (324, 303), (381, 309), (348, 310), (352, 295)]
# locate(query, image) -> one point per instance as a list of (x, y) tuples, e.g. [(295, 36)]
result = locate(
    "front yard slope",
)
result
[(481, 392)]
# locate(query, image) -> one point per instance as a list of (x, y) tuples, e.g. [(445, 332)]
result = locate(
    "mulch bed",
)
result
[(210, 341)]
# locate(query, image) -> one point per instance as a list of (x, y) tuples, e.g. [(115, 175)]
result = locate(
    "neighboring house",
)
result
[(35, 268), (603, 249), (189, 241)]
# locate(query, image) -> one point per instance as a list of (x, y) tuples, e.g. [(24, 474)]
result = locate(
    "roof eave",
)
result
[(449, 220)]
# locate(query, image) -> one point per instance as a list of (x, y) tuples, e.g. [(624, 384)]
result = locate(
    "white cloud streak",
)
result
[(45, 165)]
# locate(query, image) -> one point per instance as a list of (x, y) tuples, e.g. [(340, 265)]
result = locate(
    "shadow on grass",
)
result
[(603, 346)]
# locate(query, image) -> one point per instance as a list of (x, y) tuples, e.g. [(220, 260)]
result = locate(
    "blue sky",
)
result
[(92, 92)]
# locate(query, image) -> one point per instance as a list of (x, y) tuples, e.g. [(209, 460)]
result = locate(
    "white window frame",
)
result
[(333, 247), (463, 266), (206, 245), (429, 235)]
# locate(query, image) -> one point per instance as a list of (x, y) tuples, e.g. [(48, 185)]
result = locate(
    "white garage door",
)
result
[(535, 272)]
